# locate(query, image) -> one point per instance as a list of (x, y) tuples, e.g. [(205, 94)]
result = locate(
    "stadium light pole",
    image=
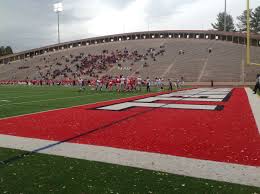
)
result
[(248, 59), (225, 17), (58, 7)]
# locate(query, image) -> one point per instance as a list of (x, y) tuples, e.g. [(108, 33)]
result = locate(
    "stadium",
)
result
[(151, 111)]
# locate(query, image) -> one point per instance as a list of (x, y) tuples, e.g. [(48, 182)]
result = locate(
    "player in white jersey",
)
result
[(81, 84), (98, 85), (122, 83), (139, 83)]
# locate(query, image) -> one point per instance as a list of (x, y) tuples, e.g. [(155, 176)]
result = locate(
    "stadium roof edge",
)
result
[(98, 38)]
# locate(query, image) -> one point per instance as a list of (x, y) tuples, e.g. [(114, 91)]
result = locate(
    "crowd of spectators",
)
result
[(89, 66)]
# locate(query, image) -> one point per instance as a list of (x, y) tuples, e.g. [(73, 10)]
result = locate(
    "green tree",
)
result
[(219, 25), (255, 22), (242, 21), (5, 50), (2, 51), (8, 50)]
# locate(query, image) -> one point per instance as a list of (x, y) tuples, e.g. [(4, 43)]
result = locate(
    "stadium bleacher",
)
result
[(154, 58)]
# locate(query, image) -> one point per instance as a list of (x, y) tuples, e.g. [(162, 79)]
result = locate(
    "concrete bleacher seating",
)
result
[(224, 64)]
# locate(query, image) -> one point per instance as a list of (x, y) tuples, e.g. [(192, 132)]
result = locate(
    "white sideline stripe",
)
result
[(254, 101), (219, 171)]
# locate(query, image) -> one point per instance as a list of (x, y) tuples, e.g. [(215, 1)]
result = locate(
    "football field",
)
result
[(196, 140)]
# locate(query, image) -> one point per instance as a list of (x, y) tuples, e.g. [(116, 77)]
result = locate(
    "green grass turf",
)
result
[(41, 173), (17, 100)]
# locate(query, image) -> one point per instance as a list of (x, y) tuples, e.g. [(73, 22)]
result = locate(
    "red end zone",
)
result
[(229, 135)]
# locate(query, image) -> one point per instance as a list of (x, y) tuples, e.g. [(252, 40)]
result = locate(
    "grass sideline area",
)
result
[(41, 173)]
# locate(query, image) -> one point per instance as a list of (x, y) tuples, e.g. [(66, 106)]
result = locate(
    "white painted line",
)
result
[(47, 100), (4, 101), (152, 99), (219, 171), (191, 106), (215, 96), (74, 106), (214, 93), (50, 94), (190, 98), (203, 99), (124, 105), (254, 101)]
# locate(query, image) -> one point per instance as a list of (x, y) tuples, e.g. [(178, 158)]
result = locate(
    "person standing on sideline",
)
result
[(81, 85), (148, 84), (257, 85), (170, 85), (177, 83), (139, 83)]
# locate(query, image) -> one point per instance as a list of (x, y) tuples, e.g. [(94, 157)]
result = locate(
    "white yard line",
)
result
[(6, 97), (4, 100), (47, 100), (254, 101), (71, 107), (50, 94), (18, 93), (219, 171)]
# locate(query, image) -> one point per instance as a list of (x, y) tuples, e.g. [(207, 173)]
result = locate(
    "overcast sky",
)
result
[(26, 24)]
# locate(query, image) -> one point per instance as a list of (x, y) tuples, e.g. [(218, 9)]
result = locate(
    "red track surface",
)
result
[(230, 135)]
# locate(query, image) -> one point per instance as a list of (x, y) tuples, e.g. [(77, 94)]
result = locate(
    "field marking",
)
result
[(219, 171), (46, 100), (144, 95), (28, 96), (51, 94), (254, 102), (50, 99), (126, 105), (17, 93)]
